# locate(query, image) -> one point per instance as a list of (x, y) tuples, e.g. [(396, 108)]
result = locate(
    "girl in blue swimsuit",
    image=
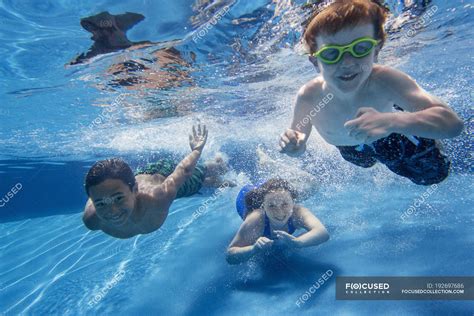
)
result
[(270, 218)]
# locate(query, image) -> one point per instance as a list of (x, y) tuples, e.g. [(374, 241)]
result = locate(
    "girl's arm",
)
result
[(316, 232), (246, 242)]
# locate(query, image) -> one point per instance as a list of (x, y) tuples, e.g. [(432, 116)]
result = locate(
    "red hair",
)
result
[(341, 14)]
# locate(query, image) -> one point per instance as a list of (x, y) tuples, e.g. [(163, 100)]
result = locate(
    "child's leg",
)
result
[(215, 170)]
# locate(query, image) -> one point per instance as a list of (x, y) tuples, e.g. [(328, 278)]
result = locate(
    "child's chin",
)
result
[(348, 86)]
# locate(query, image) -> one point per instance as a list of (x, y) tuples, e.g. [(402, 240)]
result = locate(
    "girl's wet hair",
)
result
[(114, 168), (254, 198)]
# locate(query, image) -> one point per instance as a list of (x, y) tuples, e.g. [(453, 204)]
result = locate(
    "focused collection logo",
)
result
[(404, 288), (367, 288)]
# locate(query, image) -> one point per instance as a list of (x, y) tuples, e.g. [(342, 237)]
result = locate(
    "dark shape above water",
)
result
[(108, 33)]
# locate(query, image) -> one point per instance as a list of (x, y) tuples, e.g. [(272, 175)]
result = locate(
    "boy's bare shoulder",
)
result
[(394, 79), (311, 90), (150, 212), (89, 217)]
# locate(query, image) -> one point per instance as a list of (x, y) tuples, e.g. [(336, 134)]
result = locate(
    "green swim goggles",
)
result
[(361, 47)]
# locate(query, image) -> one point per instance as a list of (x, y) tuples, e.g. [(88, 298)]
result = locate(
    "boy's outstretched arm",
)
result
[(426, 115), (185, 168), (293, 140)]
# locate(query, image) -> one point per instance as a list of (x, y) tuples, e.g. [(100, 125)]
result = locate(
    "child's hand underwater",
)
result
[(263, 243), (293, 142), (283, 238), (370, 125), (199, 137)]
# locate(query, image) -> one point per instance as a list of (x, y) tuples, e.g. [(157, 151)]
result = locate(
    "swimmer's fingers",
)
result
[(292, 139), (364, 110), (301, 139), (284, 142), (199, 137), (263, 242), (284, 138), (259, 244), (289, 136), (280, 234), (352, 124), (360, 117), (202, 130), (285, 238), (205, 132), (283, 145)]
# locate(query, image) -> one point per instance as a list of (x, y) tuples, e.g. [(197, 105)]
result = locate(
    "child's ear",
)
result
[(135, 188), (314, 61), (376, 54)]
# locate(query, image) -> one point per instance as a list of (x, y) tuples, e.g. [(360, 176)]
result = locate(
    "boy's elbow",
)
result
[(325, 235), (456, 128), (453, 124)]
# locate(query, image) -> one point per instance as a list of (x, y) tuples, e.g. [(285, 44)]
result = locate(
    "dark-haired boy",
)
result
[(359, 97), (123, 204)]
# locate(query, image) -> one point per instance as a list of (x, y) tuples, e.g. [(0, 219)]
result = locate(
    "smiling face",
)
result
[(113, 200), (350, 73), (278, 205)]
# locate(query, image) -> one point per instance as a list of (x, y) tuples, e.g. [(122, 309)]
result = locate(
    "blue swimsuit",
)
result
[(267, 232)]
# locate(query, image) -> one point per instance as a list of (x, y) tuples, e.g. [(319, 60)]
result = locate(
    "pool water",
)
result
[(239, 78)]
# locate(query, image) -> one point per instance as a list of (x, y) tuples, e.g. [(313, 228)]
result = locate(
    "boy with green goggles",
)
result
[(344, 38)]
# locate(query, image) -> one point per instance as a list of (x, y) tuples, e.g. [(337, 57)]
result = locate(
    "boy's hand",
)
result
[(263, 243), (199, 138), (292, 142), (370, 125)]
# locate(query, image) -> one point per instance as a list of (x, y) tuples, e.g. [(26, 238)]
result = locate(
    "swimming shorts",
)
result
[(419, 160), (165, 167), (242, 210)]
